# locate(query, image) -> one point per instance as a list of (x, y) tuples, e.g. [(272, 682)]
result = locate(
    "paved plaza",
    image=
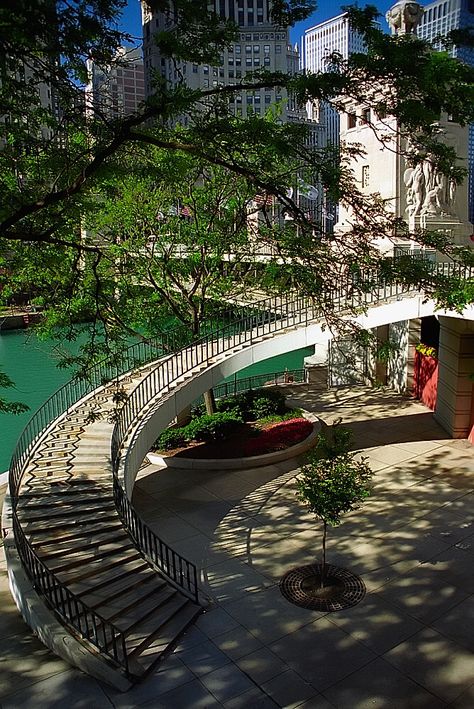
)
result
[(408, 643)]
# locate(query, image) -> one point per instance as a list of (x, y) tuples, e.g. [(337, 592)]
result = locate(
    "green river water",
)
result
[(31, 364)]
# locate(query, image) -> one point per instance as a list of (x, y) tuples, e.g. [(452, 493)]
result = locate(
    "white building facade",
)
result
[(439, 18)]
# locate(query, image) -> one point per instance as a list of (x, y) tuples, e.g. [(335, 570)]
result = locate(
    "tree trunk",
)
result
[(323, 561), (210, 402)]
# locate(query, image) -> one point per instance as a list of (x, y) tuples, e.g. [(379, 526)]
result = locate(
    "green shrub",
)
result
[(249, 405), (212, 427), (267, 404), (170, 438)]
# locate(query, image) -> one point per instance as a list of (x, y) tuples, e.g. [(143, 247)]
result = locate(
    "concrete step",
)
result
[(95, 567), (63, 511), (118, 576), (141, 621), (41, 525), (47, 539), (132, 606), (150, 650), (73, 561), (126, 582), (75, 546)]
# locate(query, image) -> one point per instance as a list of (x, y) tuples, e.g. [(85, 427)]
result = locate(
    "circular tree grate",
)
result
[(342, 589)]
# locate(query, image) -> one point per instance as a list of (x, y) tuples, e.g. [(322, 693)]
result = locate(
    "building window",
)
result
[(365, 115), (351, 120), (365, 176), (266, 48), (277, 48)]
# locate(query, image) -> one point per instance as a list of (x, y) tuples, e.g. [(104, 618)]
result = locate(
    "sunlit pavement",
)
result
[(408, 643)]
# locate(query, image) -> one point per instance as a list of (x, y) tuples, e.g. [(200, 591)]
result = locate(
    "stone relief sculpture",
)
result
[(403, 17), (428, 190)]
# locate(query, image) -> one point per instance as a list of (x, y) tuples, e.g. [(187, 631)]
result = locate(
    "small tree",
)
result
[(332, 486)]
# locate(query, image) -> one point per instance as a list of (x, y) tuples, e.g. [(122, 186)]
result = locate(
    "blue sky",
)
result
[(131, 20)]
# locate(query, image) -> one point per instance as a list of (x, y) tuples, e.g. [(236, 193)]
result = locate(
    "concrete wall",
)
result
[(456, 366)]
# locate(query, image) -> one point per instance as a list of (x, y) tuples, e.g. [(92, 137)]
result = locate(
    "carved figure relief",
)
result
[(428, 191), (404, 17)]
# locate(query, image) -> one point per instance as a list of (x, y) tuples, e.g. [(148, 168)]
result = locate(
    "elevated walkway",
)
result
[(122, 595)]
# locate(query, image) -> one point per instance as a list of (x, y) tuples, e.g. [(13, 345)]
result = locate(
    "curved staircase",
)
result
[(118, 589)]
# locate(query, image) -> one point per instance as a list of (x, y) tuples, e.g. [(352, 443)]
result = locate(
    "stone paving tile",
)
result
[(262, 665), (253, 699), (268, 615), (70, 689), (227, 682), (322, 654), (237, 642), (215, 621), (379, 685), (192, 695), (427, 593), (170, 675), (458, 624), (289, 689), (436, 663), (376, 623), (464, 700), (232, 578), (203, 658)]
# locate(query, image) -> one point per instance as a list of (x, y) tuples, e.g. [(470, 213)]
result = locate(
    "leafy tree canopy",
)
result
[(81, 191)]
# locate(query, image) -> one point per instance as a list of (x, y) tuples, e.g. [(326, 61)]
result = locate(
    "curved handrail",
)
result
[(279, 313), (101, 633), (284, 312)]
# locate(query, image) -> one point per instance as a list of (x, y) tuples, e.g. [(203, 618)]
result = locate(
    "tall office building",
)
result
[(117, 91), (318, 43), (439, 18), (260, 44)]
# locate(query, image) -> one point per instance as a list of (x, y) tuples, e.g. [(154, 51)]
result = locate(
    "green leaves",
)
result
[(331, 487), (9, 407)]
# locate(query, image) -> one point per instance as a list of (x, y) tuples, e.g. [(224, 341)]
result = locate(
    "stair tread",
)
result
[(151, 650), (96, 568), (109, 577), (77, 535), (37, 526), (137, 632), (123, 585), (74, 547), (129, 608), (72, 560)]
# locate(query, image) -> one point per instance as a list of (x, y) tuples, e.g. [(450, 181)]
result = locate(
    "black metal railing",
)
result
[(176, 568), (241, 326), (101, 633), (237, 385)]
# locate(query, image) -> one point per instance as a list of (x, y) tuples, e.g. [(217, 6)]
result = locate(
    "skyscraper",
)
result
[(318, 43), (260, 44), (117, 91), (439, 18)]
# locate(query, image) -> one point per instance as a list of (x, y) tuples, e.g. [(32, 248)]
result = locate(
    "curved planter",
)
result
[(255, 461)]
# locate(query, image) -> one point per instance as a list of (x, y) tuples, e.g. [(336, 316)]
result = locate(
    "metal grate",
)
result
[(301, 587)]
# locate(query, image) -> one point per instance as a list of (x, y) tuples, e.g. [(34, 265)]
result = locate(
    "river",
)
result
[(32, 365)]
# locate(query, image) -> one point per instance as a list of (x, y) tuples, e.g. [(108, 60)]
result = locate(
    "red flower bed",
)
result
[(279, 436)]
